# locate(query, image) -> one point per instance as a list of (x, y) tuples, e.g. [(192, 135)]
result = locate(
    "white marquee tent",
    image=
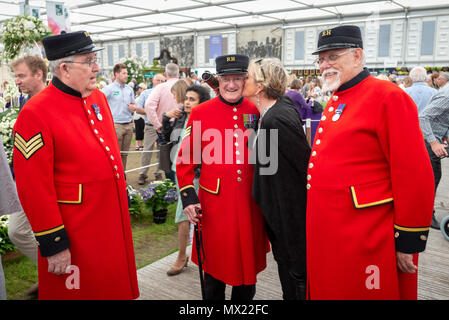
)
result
[(126, 19)]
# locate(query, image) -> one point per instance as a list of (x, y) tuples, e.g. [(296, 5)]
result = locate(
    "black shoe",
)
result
[(33, 292), (435, 224)]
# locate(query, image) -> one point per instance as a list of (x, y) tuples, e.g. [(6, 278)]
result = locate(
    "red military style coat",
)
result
[(370, 193), (71, 184), (234, 238)]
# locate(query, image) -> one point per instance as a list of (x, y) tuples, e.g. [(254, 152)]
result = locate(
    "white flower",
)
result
[(28, 25)]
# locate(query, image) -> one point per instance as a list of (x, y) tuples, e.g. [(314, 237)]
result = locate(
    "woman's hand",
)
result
[(175, 113)]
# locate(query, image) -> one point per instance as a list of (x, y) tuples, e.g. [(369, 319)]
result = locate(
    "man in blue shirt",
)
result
[(420, 92), (121, 101)]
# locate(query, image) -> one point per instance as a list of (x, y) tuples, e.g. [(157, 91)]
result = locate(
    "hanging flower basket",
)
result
[(21, 33)]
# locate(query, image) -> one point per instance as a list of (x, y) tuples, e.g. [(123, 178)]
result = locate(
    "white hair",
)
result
[(54, 64), (172, 70), (445, 75), (418, 74), (363, 55)]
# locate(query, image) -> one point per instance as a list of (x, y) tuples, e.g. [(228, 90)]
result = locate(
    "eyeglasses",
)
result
[(90, 63), (259, 62), (233, 79), (330, 59)]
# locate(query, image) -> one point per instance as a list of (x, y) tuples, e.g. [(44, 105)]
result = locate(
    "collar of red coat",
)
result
[(65, 88), (354, 81)]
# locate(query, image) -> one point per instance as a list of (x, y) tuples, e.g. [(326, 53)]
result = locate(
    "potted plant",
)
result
[(158, 195)]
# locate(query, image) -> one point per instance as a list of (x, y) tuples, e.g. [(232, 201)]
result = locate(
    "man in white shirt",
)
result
[(161, 100), (150, 135)]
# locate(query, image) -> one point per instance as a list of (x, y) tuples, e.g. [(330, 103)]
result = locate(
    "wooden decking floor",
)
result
[(433, 271), (154, 284)]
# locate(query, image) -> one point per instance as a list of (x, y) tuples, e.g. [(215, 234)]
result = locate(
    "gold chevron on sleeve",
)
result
[(187, 132), (28, 148)]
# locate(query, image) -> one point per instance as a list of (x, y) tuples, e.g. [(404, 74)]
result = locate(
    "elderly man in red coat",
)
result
[(70, 180), (234, 239), (370, 183)]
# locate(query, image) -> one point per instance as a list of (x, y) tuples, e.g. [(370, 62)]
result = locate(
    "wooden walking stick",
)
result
[(199, 250)]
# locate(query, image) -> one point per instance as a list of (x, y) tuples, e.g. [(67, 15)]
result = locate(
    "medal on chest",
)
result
[(338, 112), (97, 112), (250, 121)]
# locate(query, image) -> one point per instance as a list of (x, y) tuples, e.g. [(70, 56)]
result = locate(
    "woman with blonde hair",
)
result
[(179, 91), (280, 192)]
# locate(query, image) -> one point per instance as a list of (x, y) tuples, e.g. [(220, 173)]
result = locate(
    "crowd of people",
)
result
[(271, 162)]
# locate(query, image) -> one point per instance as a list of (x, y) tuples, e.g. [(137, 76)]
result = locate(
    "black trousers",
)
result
[(292, 278), (215, 290), (293, 284), (436, 166), (140, 127)]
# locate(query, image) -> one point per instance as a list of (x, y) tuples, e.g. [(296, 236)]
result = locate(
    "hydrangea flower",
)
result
[(159, 194)]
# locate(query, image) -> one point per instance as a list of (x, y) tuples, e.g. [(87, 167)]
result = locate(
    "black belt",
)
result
[(148, 124)]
